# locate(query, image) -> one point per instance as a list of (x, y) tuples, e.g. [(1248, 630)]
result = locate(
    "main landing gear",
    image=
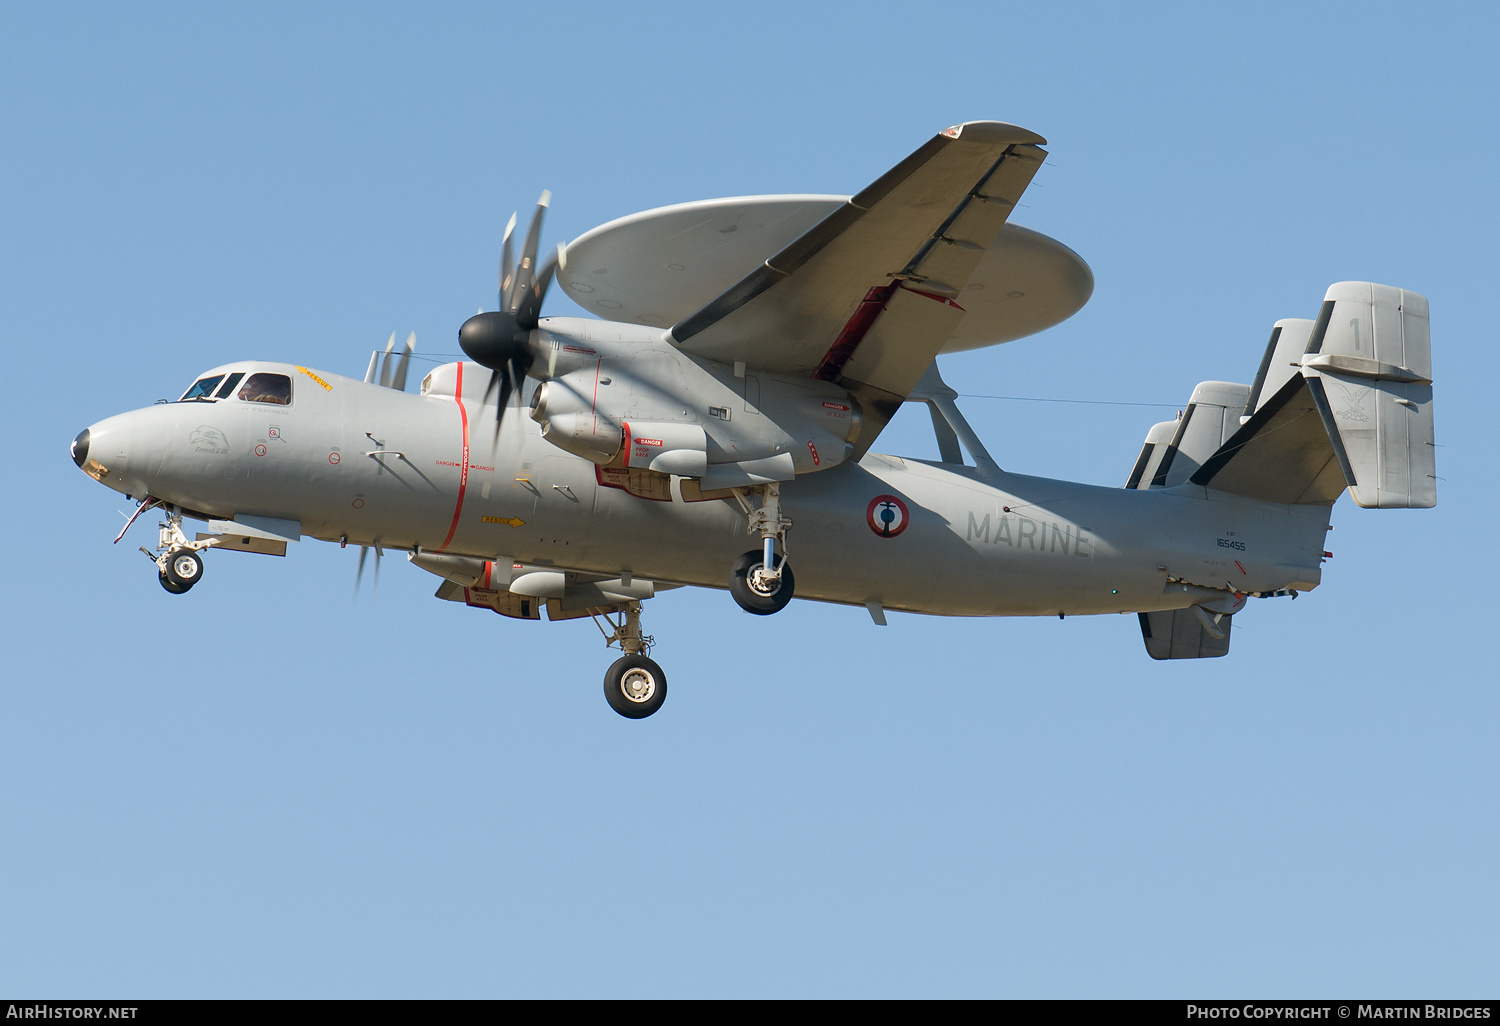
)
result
[(178, 563), (759, 582), (634, 686)]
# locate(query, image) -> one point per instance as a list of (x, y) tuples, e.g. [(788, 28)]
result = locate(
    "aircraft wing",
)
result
[(867, 297)]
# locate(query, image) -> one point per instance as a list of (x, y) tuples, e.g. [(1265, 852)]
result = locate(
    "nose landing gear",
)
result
[(178, 564)]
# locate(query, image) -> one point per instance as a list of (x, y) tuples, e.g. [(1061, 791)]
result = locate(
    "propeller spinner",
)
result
[(501, 340)]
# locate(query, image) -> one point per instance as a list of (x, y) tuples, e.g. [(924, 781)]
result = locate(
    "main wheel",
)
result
[(185, 568), (166, 582), (635, 687), (755, 596)]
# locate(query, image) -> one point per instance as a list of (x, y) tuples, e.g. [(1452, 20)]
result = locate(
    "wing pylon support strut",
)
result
[(950, 426)]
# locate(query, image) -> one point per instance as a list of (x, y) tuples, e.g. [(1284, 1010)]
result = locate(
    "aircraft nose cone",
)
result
[(80, 448)]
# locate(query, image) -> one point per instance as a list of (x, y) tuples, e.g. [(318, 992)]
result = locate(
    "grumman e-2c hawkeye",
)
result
[(753, 351)]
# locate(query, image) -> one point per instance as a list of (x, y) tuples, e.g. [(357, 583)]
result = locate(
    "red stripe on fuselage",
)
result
[(463, 467)]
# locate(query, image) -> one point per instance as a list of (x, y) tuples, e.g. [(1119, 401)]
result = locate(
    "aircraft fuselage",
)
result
[(356, 462)]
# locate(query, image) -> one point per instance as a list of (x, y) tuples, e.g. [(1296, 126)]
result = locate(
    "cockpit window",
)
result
[(228, 386), (202, 389), (268, 388)]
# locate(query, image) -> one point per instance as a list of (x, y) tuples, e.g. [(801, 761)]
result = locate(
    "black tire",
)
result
[(166, 582), (752, 599), (185, 568), (635, 687)]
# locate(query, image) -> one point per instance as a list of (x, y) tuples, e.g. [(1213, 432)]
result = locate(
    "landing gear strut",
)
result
[(759, 582), (178, 564), (634, 686)]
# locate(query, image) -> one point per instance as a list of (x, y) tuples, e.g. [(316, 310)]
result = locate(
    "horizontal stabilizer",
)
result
[(1281, 454), (1185, 634)]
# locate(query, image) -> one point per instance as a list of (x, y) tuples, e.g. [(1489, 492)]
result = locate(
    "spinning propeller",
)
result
[(501, 340)]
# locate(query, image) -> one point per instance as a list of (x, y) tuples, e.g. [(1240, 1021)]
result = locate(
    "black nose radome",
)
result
[(80, 447)]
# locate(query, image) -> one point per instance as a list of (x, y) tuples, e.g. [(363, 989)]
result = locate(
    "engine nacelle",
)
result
[(642, 405), (571, 420)]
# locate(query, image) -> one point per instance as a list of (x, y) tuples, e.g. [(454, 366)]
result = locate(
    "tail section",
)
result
[(1341, 402)]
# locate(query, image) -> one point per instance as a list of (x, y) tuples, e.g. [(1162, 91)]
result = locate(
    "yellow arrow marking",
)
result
[(512, 521)]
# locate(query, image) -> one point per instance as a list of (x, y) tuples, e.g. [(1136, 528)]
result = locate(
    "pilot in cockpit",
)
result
[(260, 388)]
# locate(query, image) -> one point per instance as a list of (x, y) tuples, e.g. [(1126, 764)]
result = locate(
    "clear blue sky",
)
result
[(269, 790)]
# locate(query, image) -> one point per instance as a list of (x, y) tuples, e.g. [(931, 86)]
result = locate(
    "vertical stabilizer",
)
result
[(1174, 450), (1369, 367), (1282, 361)]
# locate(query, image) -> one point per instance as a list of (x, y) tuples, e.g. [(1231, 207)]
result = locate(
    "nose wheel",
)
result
[(178, 564), (184, 569)]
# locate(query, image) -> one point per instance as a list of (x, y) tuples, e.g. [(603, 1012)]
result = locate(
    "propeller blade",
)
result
[(359, 574), (530, 310), (526, 272), (507, 266), (505, 390), (398, 380), (385, 367), (494, 382), (376, 590)]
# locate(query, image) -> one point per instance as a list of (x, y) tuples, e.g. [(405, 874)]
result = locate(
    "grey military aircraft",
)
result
[(747, 355)]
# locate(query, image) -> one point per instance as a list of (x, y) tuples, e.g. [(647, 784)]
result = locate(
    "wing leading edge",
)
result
[(867, 297)]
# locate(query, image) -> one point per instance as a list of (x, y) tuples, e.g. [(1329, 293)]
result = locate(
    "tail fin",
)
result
[(1356, 411), (1174, 450), (1185, 634)]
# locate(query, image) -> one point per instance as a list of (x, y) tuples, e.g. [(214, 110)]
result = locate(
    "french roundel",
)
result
[(887, 516)]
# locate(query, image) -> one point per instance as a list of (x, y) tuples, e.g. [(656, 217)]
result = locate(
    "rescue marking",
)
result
[(333, 458), (463, 471), (326, 386), (887, 516), (512, 521), (260, 450)]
